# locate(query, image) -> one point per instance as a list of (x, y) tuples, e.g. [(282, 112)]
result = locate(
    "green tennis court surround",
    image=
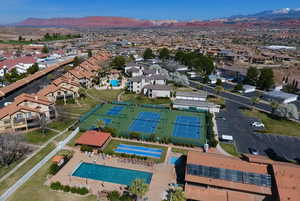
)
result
[(160, 123)]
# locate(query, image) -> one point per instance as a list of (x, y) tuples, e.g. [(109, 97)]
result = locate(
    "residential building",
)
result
[(157, 91), (280, 96), (212, 176)]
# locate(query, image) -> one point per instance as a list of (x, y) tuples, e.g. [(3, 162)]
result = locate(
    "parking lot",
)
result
[(231, 121)]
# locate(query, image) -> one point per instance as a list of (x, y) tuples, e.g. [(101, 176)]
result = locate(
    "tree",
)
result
[(100, 124), (177, 195), (252, 76), (43, 123), (238, 87), (34, 68), (81, 92), (179, 56), (219, 89), (20, 38), (113, 196), (77, 61), (266, 79), (219, 82), (139, 188), (148, 54), (90, 54), (118, 62), (164, 53), (274, 106), (45, 50), (254, 101), (288, 111)]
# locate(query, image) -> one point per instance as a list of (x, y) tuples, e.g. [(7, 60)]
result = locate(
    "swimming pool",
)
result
[(139, 150), (114, 83), (110, 174)]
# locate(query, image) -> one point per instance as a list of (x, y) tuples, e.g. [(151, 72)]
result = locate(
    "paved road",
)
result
[(31, 172), (231, 121), (233, 97)]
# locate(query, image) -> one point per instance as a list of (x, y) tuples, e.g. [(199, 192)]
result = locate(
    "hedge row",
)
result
[(67, 188)]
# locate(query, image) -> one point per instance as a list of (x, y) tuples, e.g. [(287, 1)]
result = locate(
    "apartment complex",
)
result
[(30, 110)]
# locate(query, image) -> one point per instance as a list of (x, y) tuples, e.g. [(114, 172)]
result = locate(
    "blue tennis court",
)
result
[(146, 122), (115, 110), (187, 127)]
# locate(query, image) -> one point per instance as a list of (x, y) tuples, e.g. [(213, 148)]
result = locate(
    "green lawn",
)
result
[(60, 124), (230, 148), (6, 169), (72, 141), (38, 137), (25, 168), (114, 143), (181, 151), (139, 99), (275, 126), (35, 190), (106, 95)]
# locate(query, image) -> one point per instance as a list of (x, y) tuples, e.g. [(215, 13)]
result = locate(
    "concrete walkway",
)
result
[(31, 172)]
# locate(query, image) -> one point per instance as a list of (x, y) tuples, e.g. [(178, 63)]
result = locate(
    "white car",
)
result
[(258, 124)]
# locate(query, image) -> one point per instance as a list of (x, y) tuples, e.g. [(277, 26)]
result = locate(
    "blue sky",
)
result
[(17, 10)]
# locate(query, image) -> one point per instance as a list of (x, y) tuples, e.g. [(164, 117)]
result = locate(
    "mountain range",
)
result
[(281, 17)]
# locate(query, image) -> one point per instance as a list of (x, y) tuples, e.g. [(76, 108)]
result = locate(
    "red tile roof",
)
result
[(221, 161), (93, 138), (287, 177)]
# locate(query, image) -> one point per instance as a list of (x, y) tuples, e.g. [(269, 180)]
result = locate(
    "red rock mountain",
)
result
[(86, 22), (111, 22)]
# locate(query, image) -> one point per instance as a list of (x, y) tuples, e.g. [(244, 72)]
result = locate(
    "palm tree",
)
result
[(81, 92), (139, 188), (274, 106), (177, 195), (254, 101), (219, 89), (100, 125)]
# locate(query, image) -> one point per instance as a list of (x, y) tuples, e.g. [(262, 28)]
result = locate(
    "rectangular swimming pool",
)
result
[(110, 174), (139, 150)]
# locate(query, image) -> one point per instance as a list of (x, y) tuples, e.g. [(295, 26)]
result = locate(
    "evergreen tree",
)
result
[(252, 76), (164, 53), (266, 79), (148, 54)]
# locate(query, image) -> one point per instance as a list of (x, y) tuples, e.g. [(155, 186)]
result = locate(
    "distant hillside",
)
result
[(274, 18), (97, 21)]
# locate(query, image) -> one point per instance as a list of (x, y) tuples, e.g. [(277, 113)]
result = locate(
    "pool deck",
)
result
[(163, 174)]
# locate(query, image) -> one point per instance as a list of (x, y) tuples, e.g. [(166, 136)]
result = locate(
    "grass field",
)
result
[(114, 143), (35, 190), (163, 130), (88, 103), (181, 151), (38, 137), (25, 167), (275, 126), (230, 148), (60, 124), (138, 99)]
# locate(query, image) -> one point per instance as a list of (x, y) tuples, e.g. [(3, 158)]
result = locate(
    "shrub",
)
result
[(54, 168), (55, 186), (66, 188), (82, 191), (87, 148), (135, 135)]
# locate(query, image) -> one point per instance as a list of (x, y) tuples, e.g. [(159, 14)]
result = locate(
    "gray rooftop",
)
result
[(192, 94), (193, 103), (280, 94), (158, 87)]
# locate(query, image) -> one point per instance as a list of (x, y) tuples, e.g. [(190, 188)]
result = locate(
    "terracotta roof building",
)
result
[(211, 176), (94, 138)]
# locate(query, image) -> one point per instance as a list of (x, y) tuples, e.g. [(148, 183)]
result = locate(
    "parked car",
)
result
[(258, 124), (253, 151)]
